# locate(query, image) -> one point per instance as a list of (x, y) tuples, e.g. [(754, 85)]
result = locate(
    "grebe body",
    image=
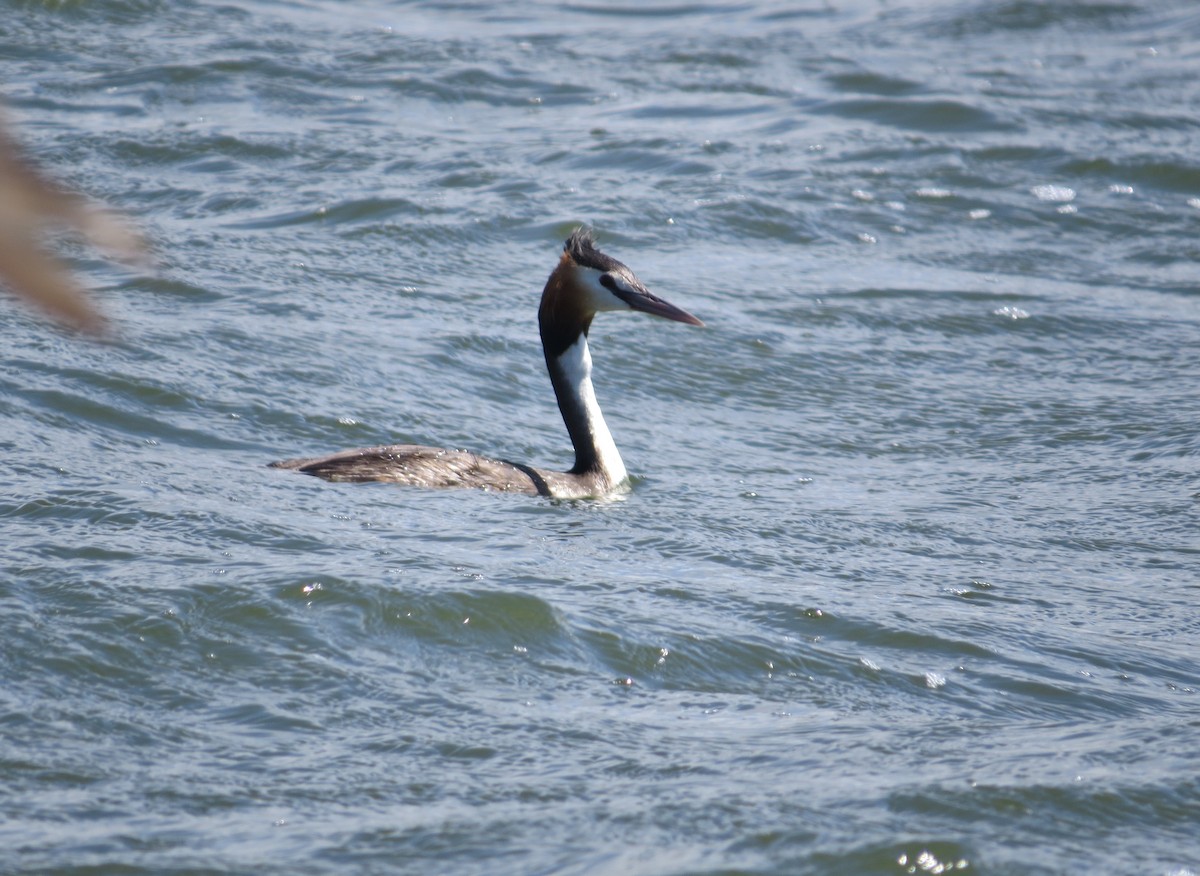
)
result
[(585, 282)]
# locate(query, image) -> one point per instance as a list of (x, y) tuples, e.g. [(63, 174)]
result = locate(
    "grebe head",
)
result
[(587, 282)]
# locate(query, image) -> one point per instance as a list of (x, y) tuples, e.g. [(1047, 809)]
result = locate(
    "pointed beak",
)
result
[(641, 299)]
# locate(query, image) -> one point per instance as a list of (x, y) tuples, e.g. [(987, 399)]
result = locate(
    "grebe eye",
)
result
[(608, 282)]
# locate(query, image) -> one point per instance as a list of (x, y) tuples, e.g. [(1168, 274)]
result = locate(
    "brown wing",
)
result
[(418, 466)]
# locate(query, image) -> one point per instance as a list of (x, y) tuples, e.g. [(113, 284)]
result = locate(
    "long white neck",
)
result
[(595, 450)]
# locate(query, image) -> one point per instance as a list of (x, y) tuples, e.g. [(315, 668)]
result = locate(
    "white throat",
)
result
[(576, 364)]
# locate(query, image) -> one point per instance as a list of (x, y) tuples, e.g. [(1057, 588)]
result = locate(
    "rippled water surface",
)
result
[(907, 581)]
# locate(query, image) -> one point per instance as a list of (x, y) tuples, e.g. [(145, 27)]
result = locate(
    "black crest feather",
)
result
[(581, 247)]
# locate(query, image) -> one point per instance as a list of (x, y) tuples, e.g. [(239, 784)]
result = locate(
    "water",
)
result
[(907, 579)]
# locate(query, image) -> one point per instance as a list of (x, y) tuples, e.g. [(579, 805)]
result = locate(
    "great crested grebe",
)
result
[(584, 283)]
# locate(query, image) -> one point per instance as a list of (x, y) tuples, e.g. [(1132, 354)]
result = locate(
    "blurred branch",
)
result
[(30, 202)]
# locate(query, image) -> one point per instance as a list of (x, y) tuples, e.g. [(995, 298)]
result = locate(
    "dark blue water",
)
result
[(907, 579)]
